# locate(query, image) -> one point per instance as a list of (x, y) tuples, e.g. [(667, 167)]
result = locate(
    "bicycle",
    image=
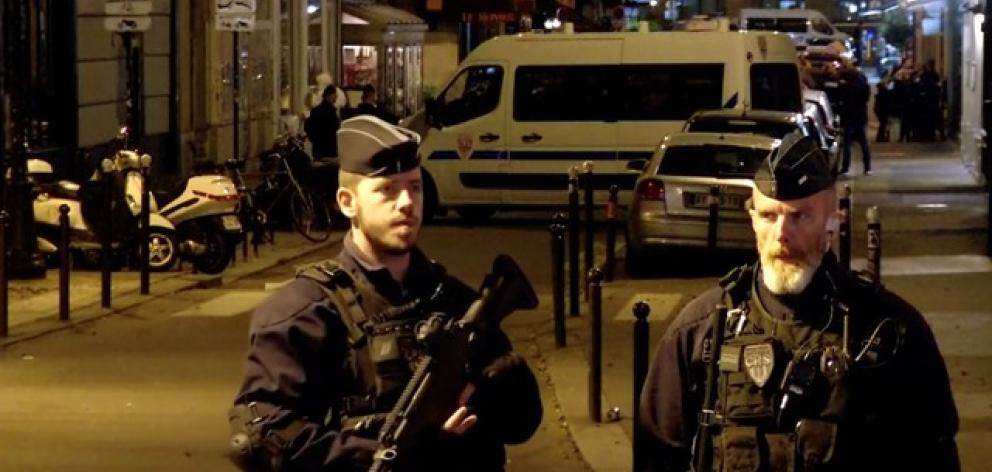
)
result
[(310, 215), (248, 215)]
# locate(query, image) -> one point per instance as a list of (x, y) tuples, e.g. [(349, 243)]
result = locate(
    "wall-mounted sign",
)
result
[(489, 17), (234, 7)]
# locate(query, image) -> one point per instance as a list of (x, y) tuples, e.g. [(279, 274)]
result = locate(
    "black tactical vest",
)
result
[(382, 339), (783, 387)]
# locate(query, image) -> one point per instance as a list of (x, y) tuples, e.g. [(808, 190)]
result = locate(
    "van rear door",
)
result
[(564, 113)]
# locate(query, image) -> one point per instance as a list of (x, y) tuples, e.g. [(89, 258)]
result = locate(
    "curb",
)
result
[(604, 446), (130, 298)]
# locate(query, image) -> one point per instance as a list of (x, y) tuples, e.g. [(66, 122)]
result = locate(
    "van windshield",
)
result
[(775, 87), (709, 160)]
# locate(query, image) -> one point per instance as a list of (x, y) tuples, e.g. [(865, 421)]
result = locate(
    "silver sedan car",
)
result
[(670, 206)]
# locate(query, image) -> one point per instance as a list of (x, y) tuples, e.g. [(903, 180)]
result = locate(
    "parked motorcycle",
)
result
[(88, 218), (204, 212)]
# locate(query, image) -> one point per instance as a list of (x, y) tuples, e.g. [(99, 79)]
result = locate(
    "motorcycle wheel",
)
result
[(163, 251), (218, 254)]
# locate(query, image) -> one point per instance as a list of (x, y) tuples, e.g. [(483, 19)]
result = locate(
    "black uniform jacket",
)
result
[(298, 363), (902, 415), (321, 128)]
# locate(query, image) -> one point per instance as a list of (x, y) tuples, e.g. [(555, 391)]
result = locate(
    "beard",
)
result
[(382, 239), (788, 277)]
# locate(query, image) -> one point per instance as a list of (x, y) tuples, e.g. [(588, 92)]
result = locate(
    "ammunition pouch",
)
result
[(816, 441), (750, 449)]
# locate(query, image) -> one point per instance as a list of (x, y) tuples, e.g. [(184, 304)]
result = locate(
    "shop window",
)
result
[(360, 65), (475, 92)]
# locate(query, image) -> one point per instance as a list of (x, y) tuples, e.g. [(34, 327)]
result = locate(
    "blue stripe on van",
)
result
[(453, 156), (563, 155), (548, 181)]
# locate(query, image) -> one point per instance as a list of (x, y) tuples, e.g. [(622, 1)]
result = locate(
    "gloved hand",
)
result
[(507, 399)]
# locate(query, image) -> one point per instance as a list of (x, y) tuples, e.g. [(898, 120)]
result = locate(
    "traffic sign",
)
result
[(143, 8), (238, 22), (232, 7), (127, 24)]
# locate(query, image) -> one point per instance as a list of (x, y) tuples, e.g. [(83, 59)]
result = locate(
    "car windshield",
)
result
[(711, 160), (771, 129)]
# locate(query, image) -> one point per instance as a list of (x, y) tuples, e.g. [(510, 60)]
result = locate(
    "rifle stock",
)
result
[(431, 395)]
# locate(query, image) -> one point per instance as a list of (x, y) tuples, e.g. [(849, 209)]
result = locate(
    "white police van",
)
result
[(520, 110), (806, 27)]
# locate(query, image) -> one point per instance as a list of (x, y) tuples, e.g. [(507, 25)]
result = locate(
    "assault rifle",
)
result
[(703, 454), (453, 347)]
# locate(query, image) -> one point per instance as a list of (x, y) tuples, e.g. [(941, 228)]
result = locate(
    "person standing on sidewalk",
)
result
[(882, 108), (332, 351), (322, 125), (855, 93), (819, 369)]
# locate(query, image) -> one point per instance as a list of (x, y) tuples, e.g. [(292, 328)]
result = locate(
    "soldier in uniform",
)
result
[(819, 370), (331, 351)]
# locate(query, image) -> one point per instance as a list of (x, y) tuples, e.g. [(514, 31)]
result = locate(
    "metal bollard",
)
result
[(612, 209), (873, 268), (558, 277), (713, 225), (106, 248), (595, 282), (4, 302), (64, 251), (844, 229), (143, 249), (589, 218), (573, 241), (642, 336)]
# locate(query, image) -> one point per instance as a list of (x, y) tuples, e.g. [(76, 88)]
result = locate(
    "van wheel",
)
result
[(474, 214), (430, 198)]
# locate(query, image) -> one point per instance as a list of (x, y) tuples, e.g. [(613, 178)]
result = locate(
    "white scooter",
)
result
[(204, 213), (88, 218)]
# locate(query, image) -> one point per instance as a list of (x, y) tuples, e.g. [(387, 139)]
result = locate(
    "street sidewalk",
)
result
[(951, 290), (34, 304)]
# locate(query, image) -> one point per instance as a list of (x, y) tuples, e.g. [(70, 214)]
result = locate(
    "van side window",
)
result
[(792, 25), (563, 93), (670, 91), (763, 24), (472, 94), (775, 87), (820, 26)]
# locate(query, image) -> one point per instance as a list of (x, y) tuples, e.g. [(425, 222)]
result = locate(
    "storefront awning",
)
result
[(366, 23)]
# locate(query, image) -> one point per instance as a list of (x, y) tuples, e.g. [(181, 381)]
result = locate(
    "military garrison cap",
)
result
[(372, 147), (796, 169)]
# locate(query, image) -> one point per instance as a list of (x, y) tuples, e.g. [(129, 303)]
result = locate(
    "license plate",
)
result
[(231, 222), (702, 200)]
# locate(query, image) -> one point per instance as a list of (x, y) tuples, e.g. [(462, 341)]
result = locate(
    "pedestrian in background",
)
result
[(819, 370), (882, 108), (855, 93), (370, 106), (322, 125)]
